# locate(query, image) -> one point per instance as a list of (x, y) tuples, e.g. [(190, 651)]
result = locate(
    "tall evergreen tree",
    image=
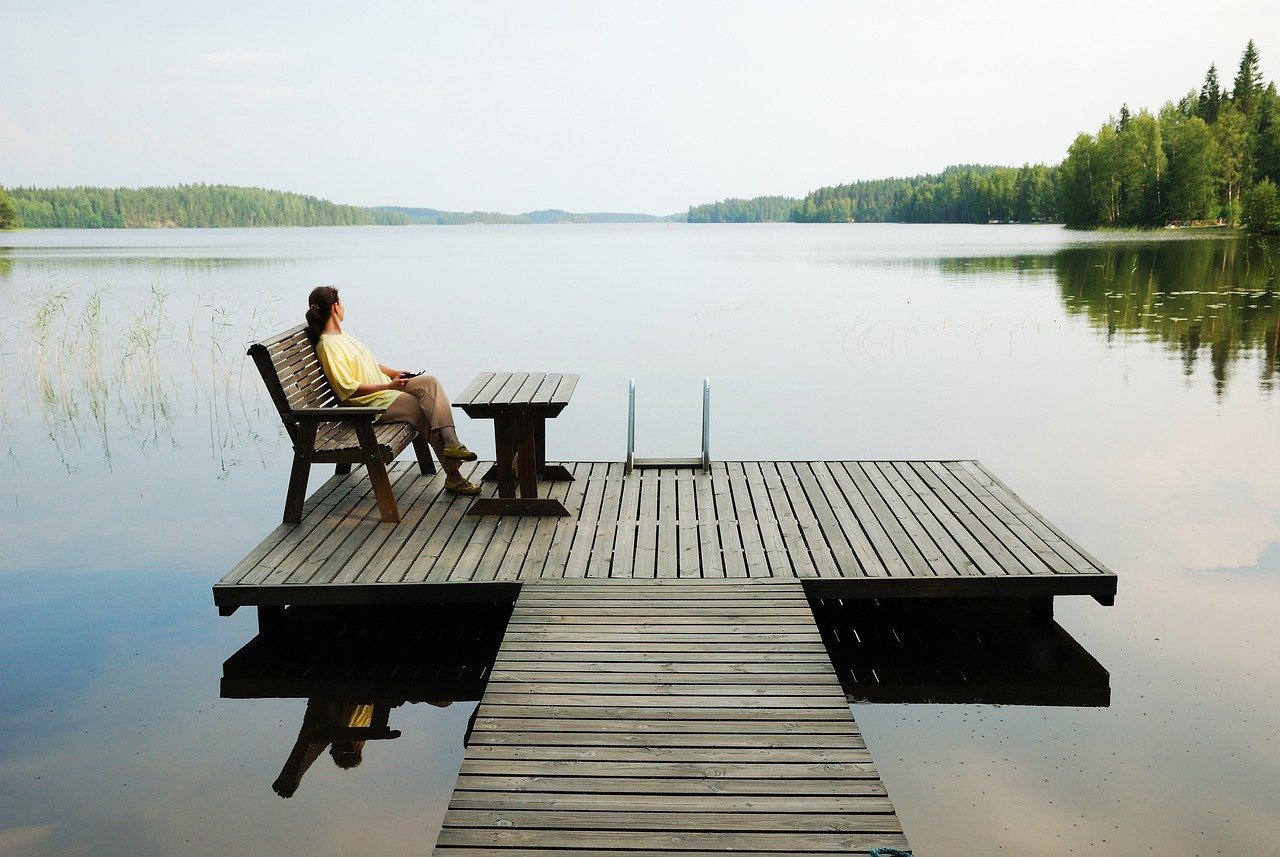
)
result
[(1210, 96), (1247, 91)]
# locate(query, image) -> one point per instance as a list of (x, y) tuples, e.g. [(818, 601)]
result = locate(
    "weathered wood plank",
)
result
[(727, 523), (786, 842), (551, 800), (795, 787), (606, 526)]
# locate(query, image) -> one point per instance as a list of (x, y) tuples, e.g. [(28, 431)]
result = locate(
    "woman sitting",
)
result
[(359, 379)]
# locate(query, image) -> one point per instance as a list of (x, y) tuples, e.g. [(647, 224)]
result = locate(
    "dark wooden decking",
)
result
[(864, 528), (675, 716)]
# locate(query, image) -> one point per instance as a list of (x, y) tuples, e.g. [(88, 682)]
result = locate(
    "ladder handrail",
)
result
[(706, 425), (631, 426), (704, 460)]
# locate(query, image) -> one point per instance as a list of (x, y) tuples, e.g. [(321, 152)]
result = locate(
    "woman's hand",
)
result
[(398, 384)]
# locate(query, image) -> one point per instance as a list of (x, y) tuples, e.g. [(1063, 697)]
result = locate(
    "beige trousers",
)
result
[(423, 404)]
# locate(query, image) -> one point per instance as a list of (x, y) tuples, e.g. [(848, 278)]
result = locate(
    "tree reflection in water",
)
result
[(1214, 298)]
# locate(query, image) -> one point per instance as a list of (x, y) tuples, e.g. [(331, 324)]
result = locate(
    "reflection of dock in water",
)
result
[(662, 684)]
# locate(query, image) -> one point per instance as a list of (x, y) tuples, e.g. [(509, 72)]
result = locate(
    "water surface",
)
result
[(1124, 384)]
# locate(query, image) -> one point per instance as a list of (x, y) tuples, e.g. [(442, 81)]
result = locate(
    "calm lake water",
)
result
[(1124, 384)]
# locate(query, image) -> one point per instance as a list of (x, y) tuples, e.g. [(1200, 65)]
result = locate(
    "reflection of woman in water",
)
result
[(319, 724), (359, 379)]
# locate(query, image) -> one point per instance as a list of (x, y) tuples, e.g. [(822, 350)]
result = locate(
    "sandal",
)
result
[(458, 453), (462, 485)]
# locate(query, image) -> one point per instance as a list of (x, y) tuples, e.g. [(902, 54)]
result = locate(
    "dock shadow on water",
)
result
[(352, 668)]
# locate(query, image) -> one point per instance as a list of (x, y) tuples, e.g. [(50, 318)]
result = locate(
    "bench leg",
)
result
[(297, 493), (422, 449), (377, 473)]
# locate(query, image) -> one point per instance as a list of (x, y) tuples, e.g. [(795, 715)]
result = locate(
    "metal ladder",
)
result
[(704, 462)]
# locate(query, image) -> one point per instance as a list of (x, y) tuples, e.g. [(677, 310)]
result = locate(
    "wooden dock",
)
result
[(661, 686), (675, 716), (844, 528)]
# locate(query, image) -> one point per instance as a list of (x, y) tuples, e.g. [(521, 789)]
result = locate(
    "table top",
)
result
[(493, 393)]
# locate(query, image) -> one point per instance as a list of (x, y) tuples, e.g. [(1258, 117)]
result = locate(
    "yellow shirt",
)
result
[(348, 364)]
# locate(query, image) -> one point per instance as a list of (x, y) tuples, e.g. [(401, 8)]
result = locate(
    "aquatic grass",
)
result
[(91, 381)]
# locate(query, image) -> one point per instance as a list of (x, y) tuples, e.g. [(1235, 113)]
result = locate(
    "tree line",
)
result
[(1213, 157), (184, 206)]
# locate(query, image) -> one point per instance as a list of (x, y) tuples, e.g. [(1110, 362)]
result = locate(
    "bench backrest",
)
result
[(292, 373)]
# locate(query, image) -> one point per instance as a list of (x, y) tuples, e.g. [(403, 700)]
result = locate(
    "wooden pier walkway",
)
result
[(666, 717), (846, 528)]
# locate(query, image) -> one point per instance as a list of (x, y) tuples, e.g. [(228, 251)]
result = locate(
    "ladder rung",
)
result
[(653, 463)]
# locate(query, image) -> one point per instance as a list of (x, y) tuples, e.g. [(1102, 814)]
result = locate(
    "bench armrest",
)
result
[(337, 414)]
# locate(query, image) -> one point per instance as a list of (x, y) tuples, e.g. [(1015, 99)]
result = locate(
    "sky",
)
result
[(586, 106)]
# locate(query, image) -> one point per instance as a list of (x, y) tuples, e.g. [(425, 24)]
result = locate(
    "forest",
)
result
[(1213, 157), (184, 206)]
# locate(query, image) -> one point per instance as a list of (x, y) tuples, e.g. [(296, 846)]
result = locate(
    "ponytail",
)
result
[(321, 307)]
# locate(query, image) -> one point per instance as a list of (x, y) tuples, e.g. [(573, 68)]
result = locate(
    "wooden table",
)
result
[(519, 403)]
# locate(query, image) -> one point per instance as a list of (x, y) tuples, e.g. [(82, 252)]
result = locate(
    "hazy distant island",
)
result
[(1212, 158), (435, 217)]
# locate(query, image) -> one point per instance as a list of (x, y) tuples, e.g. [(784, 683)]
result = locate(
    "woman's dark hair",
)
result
[(321, 307), (347, 754)]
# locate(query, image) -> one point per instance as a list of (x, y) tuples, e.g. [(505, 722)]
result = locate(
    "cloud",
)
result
[(239, 59)]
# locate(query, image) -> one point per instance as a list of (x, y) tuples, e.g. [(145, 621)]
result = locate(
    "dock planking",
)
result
[(852, 528), (668, 715)]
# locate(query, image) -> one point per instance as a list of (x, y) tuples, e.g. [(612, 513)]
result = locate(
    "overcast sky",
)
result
[(587, 106)]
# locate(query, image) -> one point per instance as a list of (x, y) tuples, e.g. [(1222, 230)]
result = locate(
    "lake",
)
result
[(1124, 384)]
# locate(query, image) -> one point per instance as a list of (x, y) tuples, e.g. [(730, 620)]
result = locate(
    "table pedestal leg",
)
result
[(517, 435), (546, 472)]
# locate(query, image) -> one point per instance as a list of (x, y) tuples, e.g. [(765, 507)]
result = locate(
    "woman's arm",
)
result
[(393, 384), (396, 382)]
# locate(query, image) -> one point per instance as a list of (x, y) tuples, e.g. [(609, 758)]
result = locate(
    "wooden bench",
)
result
[(519, 403), (325, 432)]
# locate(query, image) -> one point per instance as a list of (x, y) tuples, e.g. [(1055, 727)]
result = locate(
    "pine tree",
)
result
[(1247, 93), (1210, 96)]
